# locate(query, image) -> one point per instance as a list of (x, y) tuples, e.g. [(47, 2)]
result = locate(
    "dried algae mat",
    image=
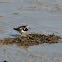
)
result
[(32, 39)]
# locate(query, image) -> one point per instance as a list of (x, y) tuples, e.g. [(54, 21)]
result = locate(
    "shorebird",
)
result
[(22, 30)]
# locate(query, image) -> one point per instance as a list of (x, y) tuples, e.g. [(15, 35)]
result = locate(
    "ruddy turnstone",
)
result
[(22, 30)]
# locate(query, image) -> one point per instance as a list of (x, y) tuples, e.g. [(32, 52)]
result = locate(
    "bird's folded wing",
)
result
[(20, 28)]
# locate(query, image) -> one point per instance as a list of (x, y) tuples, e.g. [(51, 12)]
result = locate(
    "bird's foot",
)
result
[(22, 35)]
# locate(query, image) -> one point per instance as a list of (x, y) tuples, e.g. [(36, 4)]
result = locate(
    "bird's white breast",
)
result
[(22, 31)]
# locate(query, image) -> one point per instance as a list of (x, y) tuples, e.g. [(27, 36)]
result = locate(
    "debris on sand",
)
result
[(32, 39), (1, 16), (4, 2), (5, 61)]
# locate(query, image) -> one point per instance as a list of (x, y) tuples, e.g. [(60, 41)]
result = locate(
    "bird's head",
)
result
[(27, 26)]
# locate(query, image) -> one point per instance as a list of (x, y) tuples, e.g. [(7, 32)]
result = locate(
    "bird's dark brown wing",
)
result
[(20, 28)]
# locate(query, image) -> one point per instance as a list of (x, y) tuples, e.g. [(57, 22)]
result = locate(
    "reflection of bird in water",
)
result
[(22, 30)]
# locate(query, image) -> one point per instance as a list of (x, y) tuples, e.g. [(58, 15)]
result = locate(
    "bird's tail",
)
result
[(15, 28)]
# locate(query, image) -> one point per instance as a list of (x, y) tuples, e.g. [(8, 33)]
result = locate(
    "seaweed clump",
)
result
[(32, 39)]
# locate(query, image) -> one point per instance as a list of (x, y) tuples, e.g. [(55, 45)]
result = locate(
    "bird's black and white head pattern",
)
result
[(27, 26)]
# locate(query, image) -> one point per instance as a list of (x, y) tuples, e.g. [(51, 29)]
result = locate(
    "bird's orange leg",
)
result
[(22, 35)]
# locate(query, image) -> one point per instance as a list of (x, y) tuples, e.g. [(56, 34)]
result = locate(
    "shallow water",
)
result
[(43, 16), (44, 52)]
